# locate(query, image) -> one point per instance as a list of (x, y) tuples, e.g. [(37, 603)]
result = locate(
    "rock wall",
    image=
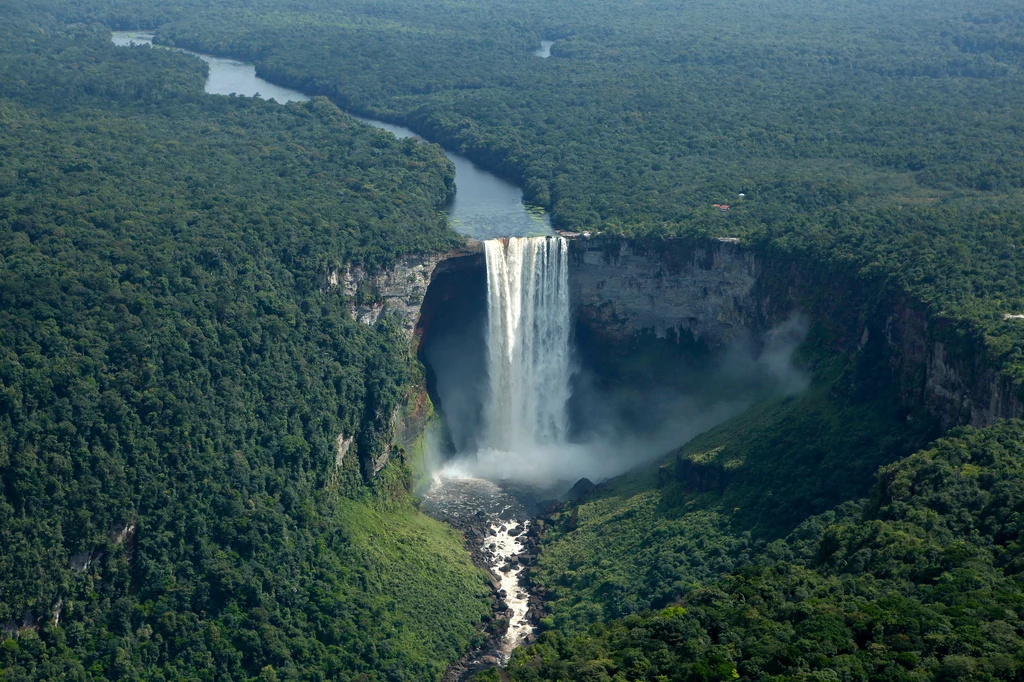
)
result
[(716, 290), (934, 364), (399, 289), (627, 286), (952, 376)]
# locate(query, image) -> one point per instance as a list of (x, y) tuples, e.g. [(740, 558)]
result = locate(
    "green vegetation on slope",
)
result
[(645, 539), (921, 581), (174, 374)]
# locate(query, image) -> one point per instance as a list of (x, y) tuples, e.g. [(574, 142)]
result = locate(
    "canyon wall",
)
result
[(400, 290), (712, 292), (622, 287), (717, 290)]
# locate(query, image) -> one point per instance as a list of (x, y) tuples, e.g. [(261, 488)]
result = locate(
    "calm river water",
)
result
[(485, 206)]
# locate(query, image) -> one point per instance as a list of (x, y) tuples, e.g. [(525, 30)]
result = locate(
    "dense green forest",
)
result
[(646, 539), (174, 374)]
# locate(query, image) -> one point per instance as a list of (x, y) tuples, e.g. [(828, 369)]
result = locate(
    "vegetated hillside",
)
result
[(174, 375), (646, 539), (880, 135), (919, 581)]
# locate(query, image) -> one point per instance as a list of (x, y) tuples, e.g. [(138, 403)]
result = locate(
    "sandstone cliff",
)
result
[(715, 290)]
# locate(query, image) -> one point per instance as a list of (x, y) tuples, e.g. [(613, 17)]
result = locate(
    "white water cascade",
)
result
[(529, 363)]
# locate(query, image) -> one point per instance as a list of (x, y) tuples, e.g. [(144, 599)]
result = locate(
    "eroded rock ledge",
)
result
[(401, 288)]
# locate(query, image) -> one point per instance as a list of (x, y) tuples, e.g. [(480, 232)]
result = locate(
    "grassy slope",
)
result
[(418, 568)]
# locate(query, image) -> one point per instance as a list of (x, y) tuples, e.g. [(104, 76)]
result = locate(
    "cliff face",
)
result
[(713, 292), (621, 287), (717, 290), (958, 383), (399, 289)]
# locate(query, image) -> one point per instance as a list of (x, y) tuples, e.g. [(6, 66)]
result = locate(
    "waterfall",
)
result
[(529, 364)]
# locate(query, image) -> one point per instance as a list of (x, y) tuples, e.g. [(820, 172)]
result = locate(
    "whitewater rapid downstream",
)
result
[(505, 544), (496, 526)]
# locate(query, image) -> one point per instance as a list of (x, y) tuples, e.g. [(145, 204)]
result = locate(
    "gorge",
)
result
[(284, 396), (649, 332)]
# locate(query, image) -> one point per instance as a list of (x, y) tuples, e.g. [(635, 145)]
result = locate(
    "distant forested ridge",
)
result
[(175, 374)]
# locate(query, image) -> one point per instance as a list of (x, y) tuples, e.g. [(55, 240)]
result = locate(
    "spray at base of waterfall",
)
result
[(615, 445), (524, 424), (547, 464)]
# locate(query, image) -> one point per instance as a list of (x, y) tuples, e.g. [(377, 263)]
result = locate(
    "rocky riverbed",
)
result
[(502, 537)]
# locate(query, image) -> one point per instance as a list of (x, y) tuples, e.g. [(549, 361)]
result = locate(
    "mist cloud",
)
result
[(629, 428)]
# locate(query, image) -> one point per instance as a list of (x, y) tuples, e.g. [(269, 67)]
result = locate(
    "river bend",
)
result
[(484, 207)]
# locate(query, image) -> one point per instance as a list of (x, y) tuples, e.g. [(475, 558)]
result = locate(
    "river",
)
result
[(495, 522), (484, 207)]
